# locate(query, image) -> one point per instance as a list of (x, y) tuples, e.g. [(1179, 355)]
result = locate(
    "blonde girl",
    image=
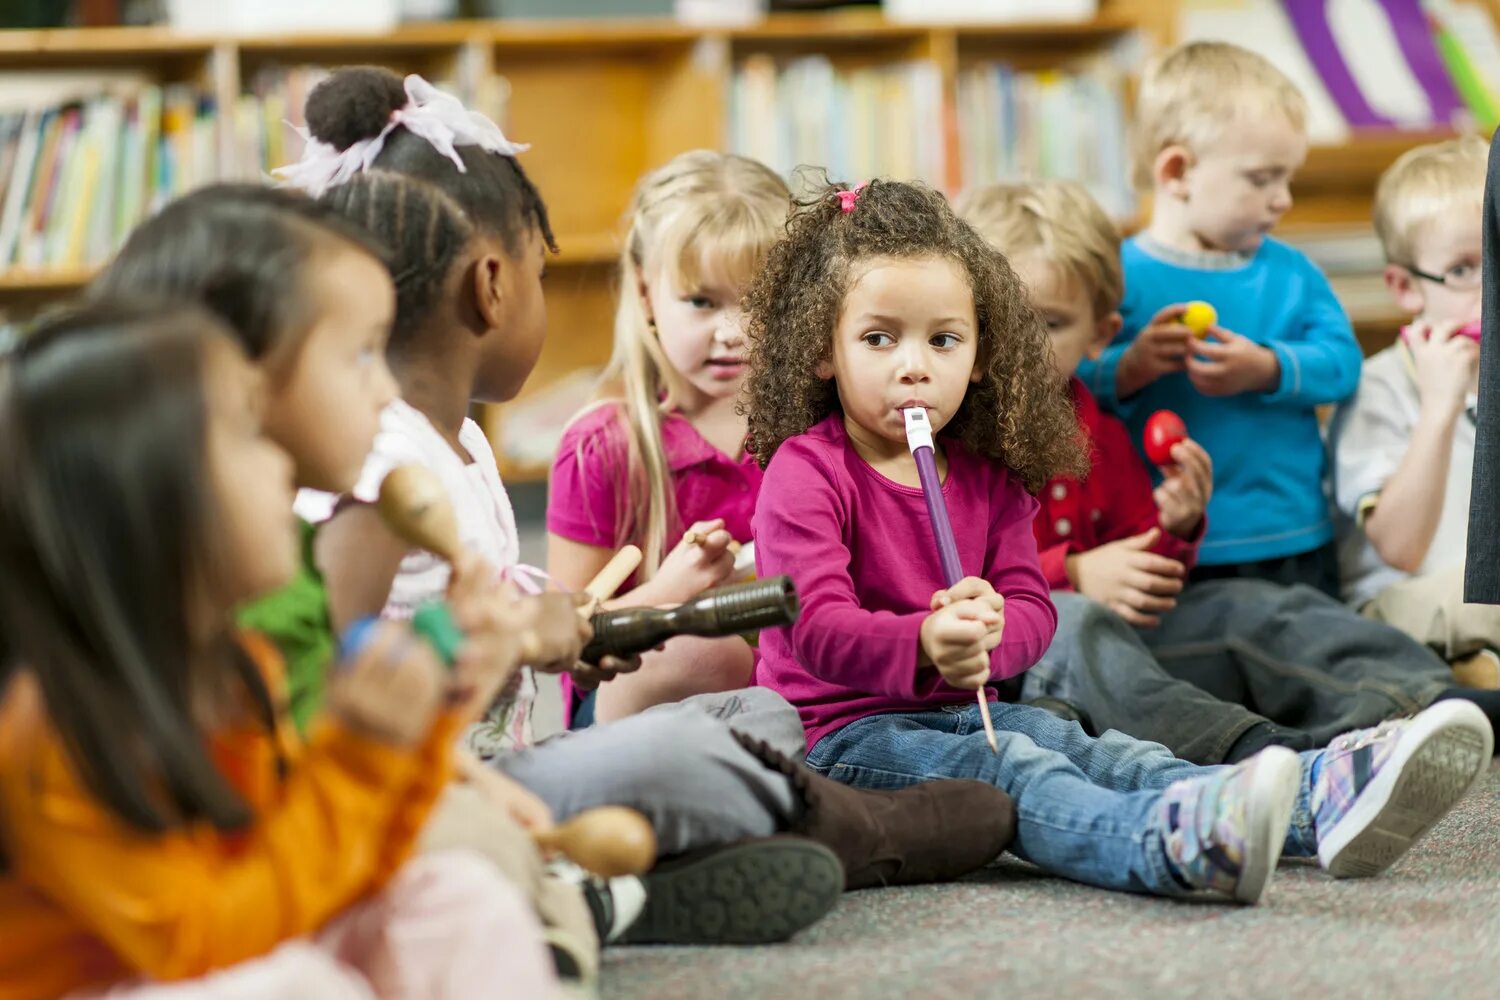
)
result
[(660, 456)]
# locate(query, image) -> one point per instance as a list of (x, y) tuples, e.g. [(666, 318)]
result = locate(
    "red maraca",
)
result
[(1163, 430)]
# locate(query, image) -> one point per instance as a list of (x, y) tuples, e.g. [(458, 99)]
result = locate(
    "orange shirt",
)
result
[(86, 899)]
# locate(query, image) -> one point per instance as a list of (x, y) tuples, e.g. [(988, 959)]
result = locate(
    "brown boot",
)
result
[(931, 832)]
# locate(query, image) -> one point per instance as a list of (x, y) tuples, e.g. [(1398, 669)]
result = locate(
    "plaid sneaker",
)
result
[(1224, 832), (1377, 791)]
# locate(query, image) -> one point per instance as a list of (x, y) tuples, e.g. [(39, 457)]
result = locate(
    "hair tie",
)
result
[(848, 198), (439, 118)]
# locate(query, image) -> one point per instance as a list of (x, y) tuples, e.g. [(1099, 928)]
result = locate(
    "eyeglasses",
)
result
[(1459, 277)]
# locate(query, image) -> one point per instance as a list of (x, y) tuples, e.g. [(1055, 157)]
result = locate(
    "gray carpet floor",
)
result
[(1430, 927)]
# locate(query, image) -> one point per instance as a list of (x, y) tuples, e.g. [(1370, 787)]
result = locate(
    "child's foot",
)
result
[(1224, 832), (753, 892), (1379, 790)]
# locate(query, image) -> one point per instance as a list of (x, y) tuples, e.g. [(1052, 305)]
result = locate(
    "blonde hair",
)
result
[(1193, 92), (702, 214), (1424, 183), (1060, 221)]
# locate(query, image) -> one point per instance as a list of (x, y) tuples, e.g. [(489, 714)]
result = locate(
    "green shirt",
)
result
[(297, 620)]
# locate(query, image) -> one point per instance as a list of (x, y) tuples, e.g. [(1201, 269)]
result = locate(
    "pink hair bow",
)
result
[(848, 198)]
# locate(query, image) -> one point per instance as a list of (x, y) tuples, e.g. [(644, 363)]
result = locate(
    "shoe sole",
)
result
[(1273, 793), (1439, 759), (759, 892)]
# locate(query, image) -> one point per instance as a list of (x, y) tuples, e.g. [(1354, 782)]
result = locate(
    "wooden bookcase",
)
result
[(602, 102)]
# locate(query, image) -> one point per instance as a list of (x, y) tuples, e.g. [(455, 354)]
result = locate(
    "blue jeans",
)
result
[(1086, 808)]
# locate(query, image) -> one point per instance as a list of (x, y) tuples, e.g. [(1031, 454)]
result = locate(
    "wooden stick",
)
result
[(615, 572)]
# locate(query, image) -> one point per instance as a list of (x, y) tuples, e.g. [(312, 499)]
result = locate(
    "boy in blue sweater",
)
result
[(1221, 132)]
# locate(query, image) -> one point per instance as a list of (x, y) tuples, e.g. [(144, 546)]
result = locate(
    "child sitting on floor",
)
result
[(1403, 447), (1115, 551), (1220, 135), (162, 820), (662, 455), (880, 300)]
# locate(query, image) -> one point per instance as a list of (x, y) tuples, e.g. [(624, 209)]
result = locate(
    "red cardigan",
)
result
[(1112, 503)]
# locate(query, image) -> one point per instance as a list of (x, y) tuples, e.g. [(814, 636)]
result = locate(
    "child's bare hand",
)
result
[(966, 624), (1228, 364), (1159, 349), (1184, 493), (588, 676), (1129, 579), (556, 628), (1445, 365), (391, 689), (694, 566), (489, 613)]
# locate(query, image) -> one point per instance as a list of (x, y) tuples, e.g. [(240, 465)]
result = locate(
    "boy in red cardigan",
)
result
[(1136, 649)]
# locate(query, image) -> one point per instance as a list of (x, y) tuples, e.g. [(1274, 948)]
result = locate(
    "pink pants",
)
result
[(447, 926)]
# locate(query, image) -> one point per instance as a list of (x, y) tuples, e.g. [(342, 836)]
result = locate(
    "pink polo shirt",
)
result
[(860, 549), (589, 484)]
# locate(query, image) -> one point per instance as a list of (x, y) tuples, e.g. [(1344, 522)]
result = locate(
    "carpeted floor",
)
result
[(1429, 928)]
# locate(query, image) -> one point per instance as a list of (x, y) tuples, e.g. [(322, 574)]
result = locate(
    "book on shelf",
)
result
[(878, 121), (76, 176), (1021, 125)]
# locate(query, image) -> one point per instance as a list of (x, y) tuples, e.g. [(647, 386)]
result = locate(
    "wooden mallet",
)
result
[(607, 840)]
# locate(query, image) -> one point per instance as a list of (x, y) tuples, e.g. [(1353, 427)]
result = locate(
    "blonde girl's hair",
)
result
[(702, 216)]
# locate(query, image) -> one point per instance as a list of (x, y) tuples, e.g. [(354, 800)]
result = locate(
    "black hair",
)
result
[(107, 523), (492, 190), (241, 250), (423, 229)]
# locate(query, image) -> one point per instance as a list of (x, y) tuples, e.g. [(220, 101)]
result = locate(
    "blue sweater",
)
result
[(1268, 454)]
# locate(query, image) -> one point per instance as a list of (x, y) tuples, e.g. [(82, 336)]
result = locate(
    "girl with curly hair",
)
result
[(879, 300)]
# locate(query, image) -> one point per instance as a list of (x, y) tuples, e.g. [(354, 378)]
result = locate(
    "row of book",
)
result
[(1016, 125), (891, 121), (75, 177), (884, 121)]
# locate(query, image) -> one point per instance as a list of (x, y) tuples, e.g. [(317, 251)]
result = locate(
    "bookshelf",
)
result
[(602, 102)]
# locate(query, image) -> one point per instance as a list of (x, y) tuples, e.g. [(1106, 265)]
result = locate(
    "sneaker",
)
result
[(753, 892), (1224, 832), (1379, 790)]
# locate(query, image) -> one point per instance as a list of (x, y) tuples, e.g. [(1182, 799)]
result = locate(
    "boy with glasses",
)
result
[(1403, 446)]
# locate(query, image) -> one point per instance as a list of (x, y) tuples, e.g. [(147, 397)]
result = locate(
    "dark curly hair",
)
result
[(1018, 413)]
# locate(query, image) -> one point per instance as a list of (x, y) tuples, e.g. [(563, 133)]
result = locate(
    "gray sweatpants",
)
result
[(1232, 654), (678, 764)]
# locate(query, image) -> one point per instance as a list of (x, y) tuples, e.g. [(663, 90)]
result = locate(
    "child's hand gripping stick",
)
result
[(919, 440), (607, 840), (745, 607)]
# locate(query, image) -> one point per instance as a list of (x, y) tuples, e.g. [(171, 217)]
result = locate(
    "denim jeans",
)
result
[(1086, 808), (1295, 656)]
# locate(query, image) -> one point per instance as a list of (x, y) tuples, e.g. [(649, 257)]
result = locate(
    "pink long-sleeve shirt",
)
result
[(860, 549)]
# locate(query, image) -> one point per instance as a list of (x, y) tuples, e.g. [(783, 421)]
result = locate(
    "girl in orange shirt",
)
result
[(159, 819)]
